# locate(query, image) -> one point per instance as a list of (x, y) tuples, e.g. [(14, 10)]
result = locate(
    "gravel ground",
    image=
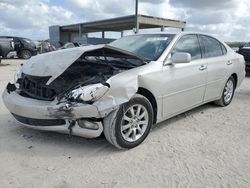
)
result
[(205, 147)]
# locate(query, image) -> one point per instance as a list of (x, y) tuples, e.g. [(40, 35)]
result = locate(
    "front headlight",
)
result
[(89, 93)]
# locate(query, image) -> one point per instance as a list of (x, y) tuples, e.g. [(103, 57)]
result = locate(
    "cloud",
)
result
[(228, 19), (100, 9), (152, 1), (205, 4), (31, 18)]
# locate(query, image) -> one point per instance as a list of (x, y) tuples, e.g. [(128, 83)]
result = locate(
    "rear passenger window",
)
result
[(189, 44), (212, 47)]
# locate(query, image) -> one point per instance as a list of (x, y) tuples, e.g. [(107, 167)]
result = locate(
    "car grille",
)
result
[(39, 122), (35, 87), (246, 55)]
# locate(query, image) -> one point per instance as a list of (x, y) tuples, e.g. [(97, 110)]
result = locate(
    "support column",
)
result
[(80, 30), (103, 34), (162, 28), (136, 17), (122, 33)]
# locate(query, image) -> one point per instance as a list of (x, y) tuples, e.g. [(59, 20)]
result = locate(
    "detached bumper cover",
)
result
[(37, 109), (50, 116)]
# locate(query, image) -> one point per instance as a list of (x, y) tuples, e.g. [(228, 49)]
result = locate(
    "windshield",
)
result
[(27, 40), (149, 46), (247, 44)]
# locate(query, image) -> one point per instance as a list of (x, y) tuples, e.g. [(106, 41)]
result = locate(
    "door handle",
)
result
[(202, 67), (229, 62)]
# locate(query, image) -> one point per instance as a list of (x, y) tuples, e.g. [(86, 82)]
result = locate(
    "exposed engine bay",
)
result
[(93, 67)]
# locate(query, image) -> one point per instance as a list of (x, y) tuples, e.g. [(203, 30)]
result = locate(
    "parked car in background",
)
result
[(69, 45), (235, 49), (6, 47), (25, 48), (44, 47), (245, 51), (125, 87)]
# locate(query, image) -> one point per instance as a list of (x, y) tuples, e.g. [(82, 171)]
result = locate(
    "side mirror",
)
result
[(180, 57)]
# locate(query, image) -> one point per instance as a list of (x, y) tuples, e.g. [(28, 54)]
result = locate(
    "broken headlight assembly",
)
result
[(18, 74), (89, 93)]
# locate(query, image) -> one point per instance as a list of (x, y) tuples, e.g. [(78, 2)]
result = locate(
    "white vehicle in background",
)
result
[(69, 45), (124, 88)]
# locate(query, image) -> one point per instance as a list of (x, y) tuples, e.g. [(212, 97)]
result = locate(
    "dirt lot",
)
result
[(206, 147)]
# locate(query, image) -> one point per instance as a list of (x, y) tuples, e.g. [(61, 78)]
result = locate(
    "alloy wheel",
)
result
[(134, 123), (228, 91)]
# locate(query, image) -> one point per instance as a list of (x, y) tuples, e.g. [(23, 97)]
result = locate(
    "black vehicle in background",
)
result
[(25, 48), (245, 51), (6, 46)]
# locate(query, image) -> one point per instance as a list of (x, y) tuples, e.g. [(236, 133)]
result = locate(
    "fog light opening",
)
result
[(87, 124)]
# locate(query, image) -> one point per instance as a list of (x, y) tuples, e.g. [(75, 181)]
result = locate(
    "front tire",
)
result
[(228, 93), (128, 126)]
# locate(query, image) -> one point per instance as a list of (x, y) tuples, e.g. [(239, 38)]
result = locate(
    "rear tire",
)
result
[(128, 126), (25, 54), (228, 93)]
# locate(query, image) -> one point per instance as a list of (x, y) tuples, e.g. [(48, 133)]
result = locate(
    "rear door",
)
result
[(6, 46), (215, 56)]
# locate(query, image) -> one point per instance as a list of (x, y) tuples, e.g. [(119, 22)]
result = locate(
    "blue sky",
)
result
[(228, 19)]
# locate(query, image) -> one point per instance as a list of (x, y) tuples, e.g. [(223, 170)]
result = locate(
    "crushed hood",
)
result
[(53, 64)]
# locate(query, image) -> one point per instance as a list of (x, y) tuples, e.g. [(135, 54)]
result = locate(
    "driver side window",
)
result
[(188, 44)]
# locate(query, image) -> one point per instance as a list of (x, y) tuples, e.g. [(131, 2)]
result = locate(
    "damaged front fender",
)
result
[(123, 87)]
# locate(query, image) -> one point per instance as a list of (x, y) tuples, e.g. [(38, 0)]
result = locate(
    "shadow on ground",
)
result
[(30, 139)]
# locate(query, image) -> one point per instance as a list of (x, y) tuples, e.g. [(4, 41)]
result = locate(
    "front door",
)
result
[(184, 83)]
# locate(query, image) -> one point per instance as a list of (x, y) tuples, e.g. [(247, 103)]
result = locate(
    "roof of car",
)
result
[(181, 33), (13, 37), (176, 33), (6, 37)]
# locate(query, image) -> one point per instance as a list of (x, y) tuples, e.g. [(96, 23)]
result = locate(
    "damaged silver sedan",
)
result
[(125, 87)]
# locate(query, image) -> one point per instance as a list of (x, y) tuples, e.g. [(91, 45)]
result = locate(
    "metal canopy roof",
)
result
[(124, 23)]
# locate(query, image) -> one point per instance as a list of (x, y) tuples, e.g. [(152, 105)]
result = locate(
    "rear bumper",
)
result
[(50, 116)]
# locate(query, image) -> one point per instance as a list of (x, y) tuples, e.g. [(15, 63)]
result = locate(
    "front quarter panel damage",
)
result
[(124, 86), (121, 90)]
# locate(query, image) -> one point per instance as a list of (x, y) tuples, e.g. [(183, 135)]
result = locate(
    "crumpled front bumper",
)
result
[(31, 111)]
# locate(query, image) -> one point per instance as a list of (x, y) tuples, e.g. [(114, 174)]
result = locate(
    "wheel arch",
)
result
[(234, 75), (146, 93), (19, 53)]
